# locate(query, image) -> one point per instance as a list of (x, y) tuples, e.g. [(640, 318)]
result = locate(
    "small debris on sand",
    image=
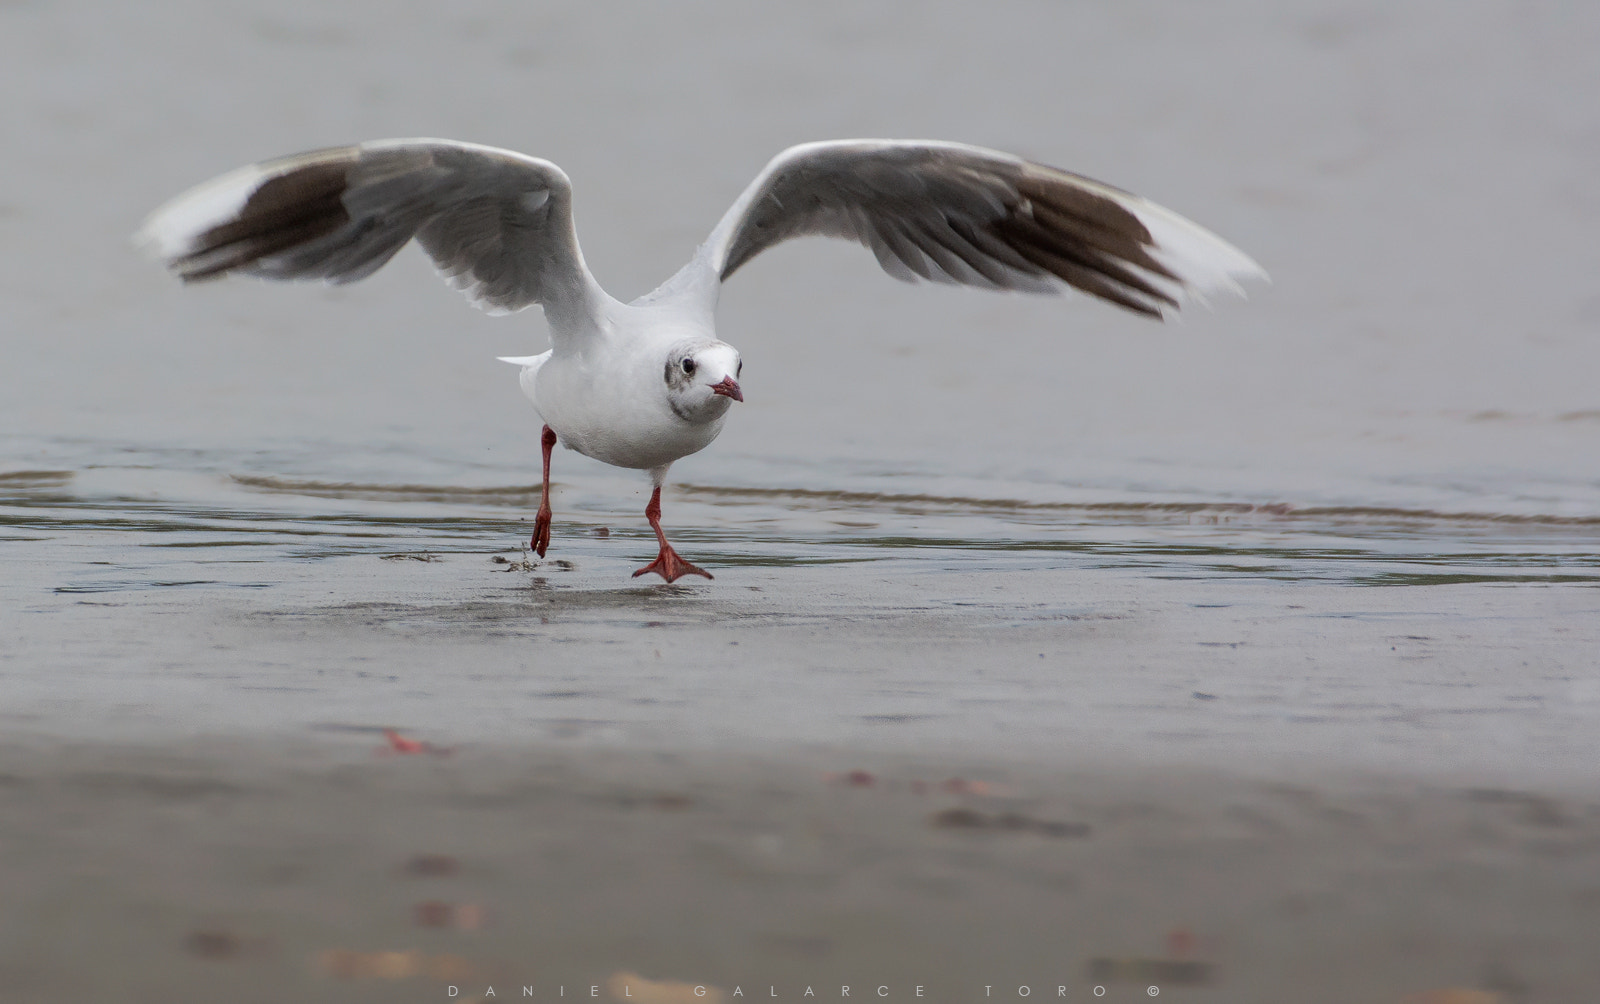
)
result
[(346, 964), (961, 786), (631, 987), (400, 744), (1013, 822), (213, 944), (462, 916), (852, 779)]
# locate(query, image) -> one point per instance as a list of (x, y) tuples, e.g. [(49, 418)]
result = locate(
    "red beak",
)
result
[(728, 388)]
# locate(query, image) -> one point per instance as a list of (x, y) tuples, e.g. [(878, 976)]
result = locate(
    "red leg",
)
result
[(541, 525), (667, 564)]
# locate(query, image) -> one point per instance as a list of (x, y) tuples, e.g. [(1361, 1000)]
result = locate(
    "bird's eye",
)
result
[(688, 365), (738, 370)]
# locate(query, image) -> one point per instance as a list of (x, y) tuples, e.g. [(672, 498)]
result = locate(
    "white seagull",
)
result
[(643, 384)]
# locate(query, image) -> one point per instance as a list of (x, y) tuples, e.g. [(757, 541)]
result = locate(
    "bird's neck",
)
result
[(693, 289)]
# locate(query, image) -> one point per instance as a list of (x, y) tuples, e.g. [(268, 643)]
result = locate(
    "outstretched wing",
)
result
[(497, 225), (948, 212)]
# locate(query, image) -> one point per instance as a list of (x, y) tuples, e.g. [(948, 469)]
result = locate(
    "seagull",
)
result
[(643, 384)]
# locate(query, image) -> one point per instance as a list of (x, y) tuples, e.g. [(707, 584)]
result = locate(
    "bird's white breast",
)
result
[(610, 403)]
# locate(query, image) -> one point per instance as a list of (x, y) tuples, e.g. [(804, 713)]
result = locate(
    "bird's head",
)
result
[(703, 379)]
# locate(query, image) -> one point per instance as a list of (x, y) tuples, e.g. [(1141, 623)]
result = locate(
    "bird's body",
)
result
[(610, 400), (643, 384)]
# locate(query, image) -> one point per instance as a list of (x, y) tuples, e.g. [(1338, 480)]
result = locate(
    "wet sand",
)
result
[(320, 869), (940, 773)]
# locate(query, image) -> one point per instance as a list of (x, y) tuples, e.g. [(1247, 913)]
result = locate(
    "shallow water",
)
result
[(149, 603), (256, 518)]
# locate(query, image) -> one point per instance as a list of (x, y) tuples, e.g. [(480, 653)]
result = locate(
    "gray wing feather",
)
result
[(497, 225), (947, 212)]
